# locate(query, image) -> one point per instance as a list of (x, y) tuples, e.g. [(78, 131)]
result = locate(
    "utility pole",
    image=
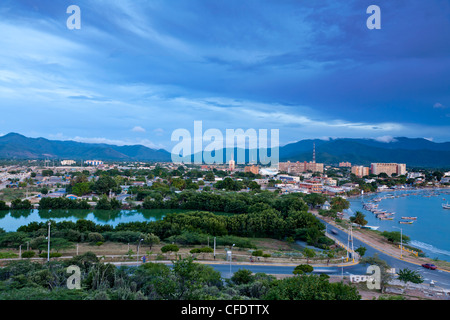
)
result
[(350, 244), (48, 244)]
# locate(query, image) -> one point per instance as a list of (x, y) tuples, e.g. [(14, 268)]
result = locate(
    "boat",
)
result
[(371, 227), (446, 206), (409, 218), (406, 222)]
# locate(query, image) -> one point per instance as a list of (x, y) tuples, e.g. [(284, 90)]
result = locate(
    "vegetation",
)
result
[(406, 275), (186, 280)]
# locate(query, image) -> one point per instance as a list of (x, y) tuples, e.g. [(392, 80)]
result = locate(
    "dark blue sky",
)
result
[(137, 70)]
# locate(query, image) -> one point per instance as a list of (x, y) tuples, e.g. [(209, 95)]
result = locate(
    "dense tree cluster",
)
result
[(185, 280)]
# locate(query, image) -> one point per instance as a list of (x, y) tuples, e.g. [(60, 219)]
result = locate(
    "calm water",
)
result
[(10, 221), (430, 232)]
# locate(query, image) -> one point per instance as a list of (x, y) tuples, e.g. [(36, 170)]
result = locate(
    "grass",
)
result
[(8, 255), (9, 195)]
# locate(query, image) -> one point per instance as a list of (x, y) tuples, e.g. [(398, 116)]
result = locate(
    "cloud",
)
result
[(385, 139), (103, 140), (159, 131), (138, 129), (438, 105)]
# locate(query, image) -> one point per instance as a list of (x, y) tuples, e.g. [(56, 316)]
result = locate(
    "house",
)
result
[(326, 206), (71, 197)]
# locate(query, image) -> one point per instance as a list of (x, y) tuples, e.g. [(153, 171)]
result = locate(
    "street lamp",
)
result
[(230, 258), (48, 243), (137, 258), (401, 241)]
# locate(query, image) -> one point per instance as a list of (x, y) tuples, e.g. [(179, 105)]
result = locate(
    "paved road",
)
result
[(441, 278)]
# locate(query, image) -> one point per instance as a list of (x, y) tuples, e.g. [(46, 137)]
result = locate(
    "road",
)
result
[(441, 278)]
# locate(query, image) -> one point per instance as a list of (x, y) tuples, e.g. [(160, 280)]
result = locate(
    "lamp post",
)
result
[(231, 258), (401, 241), (139, 244), (48, 243)]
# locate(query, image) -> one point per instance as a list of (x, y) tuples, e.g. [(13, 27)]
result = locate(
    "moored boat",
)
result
[(409, 218)]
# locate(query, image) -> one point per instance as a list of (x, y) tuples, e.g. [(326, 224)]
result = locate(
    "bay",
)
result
[(430, 232)]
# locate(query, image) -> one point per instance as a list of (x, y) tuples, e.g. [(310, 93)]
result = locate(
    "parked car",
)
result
[(429, 266), (334, 231)]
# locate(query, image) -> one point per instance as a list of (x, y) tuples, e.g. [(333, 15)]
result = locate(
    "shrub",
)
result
[(303, 268), (242, 276), (28, 254), (95, 237), (266, 255), (52, 255), (206, 250), (99, 243), (170, 248), (257, 253)]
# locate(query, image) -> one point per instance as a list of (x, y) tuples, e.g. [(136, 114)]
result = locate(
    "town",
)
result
[(36, 179)]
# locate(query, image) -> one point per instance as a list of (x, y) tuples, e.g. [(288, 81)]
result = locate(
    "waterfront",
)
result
[(430, 232), (10, 221)]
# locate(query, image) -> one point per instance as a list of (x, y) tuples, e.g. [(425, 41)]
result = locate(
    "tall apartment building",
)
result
[(231, 165), (345, 164), (388, 168), (360, 171), (299, 167)]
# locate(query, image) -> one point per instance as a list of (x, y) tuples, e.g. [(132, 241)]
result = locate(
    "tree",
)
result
[(3, 206), (359, 219), (105, 184), (303, 268), (339, 204), (406, 275), (95, 237), (242, 276), (361, 251), (81, 188), (150, 239), (170, 248), (395, 236), (44, 191), (310, 287), (309, 253)]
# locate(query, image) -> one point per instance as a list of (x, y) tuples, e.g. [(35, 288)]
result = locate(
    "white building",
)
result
[(93, 162), (68, 162)]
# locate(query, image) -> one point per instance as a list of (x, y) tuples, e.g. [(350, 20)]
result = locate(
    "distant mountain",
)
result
[(414, 152), (16, 146)]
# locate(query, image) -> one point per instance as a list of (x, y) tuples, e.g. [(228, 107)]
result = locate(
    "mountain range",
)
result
[(415, 152), (16, 146)]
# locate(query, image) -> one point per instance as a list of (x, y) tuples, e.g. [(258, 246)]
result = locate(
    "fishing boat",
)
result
[(446, 206), (371, 227), (409, 218), (406, 222)]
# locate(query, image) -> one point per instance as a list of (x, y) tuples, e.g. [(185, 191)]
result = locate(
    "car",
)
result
[(334, 231), (429, 266)]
